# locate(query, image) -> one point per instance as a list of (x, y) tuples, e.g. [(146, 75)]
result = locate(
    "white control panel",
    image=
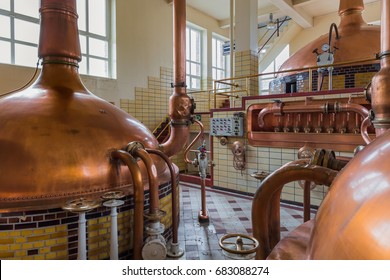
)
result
[(233, 126)]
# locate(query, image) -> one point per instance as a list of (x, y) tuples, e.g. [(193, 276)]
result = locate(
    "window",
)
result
[(193, 58), (273, 67), (219, 64), (19, 34)]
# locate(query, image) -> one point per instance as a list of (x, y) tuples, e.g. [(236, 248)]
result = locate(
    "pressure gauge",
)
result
[(325, 47)]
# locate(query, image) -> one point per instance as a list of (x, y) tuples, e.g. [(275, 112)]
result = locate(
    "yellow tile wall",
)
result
[(48, 243)]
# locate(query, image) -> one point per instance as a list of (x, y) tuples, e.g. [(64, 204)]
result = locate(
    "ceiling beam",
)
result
[(297, 14)]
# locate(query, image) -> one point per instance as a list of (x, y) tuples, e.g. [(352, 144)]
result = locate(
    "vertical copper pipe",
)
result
[(203, 196), (153, 179), (175, 211), (306, 201), (265, 206), (200, 134), (138, 217), (180, 104)]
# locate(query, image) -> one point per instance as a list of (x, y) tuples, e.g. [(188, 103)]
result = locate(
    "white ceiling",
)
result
[(301, 11)]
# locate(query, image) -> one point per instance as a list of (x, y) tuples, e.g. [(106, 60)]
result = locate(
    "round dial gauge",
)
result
[(325, 47)]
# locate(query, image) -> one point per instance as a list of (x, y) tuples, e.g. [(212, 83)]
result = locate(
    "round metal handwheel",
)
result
[(238, 243)]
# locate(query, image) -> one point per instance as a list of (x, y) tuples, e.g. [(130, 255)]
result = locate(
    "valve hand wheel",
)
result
[(236, 243)]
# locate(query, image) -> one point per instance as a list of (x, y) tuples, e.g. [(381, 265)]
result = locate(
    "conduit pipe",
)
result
[(138, 218), (180, 104), (266, 202)]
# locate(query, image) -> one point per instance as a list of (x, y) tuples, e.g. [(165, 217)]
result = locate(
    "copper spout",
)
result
[(138, 218), (175, 212), (266, 202), (180, 104), (200, 134)]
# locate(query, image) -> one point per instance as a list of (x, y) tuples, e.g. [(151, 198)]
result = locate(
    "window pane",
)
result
[(188, 81), (214, 74), (83, 44), (5, 52), (27, 7), (83, 65), (81, 10), (188, 69), (26, 55), (98, 67), (97, 14), (187, 44), (26, 31), (5, 5), (195, 83), (195, 69), (195, 46), (5, 30), (98, 47)]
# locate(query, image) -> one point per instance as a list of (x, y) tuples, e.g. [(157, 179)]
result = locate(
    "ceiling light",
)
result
[(271, 24)]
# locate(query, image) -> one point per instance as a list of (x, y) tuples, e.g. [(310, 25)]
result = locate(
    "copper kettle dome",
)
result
[(56, 136), (357, 40)]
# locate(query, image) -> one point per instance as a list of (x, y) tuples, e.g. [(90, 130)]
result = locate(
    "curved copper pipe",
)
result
[(266, 202), (200, 134), (280, 109), (352, 107), (366, 123), (152, 177), (175, 211), (138, 217)]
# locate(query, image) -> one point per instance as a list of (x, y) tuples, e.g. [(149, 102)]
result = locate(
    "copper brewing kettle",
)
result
[(56, 136)]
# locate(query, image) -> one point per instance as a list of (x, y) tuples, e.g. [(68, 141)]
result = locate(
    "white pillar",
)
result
[(82, 244), (246, 25), (113, 204)]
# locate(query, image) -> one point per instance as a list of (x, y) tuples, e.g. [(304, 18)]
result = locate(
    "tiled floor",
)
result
[(228, 213)]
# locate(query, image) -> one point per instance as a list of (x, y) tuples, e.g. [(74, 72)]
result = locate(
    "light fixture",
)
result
[(271, 25)]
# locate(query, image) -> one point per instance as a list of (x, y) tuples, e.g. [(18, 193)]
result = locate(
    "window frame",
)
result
[(224, 69), (86, 55), (189, 74)]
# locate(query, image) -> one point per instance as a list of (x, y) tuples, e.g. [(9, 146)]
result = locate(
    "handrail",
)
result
[(297, 69), (157, 127)]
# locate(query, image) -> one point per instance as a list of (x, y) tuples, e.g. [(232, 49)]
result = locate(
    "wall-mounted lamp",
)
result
[(271, 25)]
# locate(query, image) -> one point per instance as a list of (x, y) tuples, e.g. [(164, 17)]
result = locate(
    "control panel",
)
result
[(232, 126)]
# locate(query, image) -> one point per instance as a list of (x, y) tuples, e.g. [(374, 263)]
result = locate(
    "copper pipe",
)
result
[(280, 109), (366, 123), (152, 177), (200, 134), (306, 201), (138, 218), (180, 104), (175, 211), (266, 202)]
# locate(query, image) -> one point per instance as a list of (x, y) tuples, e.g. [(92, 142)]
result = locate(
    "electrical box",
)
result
[(232, 126)]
